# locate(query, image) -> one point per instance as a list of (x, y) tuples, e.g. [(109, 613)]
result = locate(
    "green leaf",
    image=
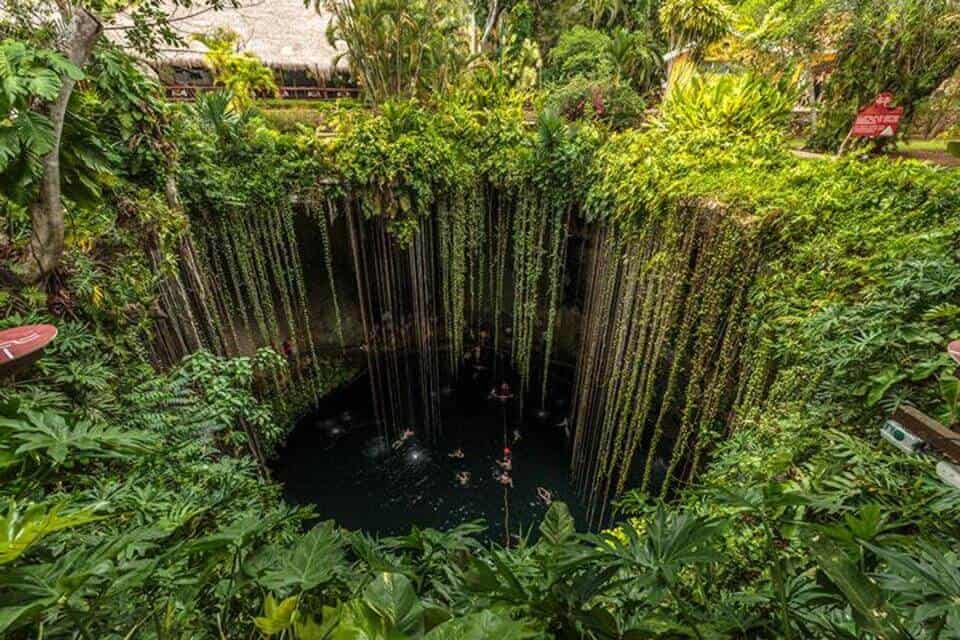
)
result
[(309, 629), (44, 84), (314, 561), (881, 383), (860, 591), (558, 525), (392, 597), (485, 625), (36, 132), (9, 145), (11, 616), (277, 617), (21, 528)]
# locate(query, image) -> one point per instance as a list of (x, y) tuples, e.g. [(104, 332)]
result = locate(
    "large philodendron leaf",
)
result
[(486, 625), (50, 437), (313, 561), (21, 528), (392, 598)]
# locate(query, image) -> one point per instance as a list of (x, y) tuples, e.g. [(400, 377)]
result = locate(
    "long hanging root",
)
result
[(661, 340)]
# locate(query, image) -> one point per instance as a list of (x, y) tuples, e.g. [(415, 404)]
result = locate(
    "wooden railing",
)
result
[(188, 93)]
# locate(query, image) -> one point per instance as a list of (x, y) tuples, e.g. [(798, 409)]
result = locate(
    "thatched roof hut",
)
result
[(284, 34)]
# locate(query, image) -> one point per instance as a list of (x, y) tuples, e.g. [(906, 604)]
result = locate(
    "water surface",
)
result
[(338, 460)]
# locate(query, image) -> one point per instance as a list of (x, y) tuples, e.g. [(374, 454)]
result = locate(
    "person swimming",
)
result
[(545, 496), (456, 454), (506, 463), (463, 478), (406, 435), (503, 392)]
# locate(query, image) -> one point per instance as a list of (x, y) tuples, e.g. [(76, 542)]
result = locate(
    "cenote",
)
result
[(490, 320), (339, 460), (426, 434)]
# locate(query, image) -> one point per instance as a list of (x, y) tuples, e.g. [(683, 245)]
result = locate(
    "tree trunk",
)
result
[(46, 212), (493, 15)]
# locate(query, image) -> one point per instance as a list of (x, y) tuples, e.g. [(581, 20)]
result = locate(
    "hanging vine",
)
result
[(328, 263), (555, 273), (661, 345)]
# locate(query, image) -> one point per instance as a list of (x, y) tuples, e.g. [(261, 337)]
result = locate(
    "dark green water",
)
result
[(337, 460)]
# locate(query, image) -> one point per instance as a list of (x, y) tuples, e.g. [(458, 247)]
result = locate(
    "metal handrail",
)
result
[(188, 93)]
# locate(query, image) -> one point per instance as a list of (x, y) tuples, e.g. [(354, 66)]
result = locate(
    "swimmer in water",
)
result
[(516, 436), (463, 478), (507, 462), (456, 454), (503, 392), (505, 480), (545, 496), (406, 435)]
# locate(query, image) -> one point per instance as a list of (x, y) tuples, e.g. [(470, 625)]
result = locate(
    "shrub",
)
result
[(614, 103), (581, 52), (742, 103)]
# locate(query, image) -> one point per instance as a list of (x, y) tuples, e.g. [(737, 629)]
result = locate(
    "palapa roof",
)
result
[(284, 34)]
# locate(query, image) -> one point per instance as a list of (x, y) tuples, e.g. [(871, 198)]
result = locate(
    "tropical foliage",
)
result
[(28, 75), (907, 48), (240, 73), (749, 320), (401, 49)]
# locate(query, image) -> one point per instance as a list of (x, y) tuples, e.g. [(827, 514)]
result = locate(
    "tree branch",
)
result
[(493, 16)]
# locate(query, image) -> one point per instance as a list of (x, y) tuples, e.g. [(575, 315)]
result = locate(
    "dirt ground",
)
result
[(941, 158)]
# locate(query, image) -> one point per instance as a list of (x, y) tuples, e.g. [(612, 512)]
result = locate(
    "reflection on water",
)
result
[(338, 461)]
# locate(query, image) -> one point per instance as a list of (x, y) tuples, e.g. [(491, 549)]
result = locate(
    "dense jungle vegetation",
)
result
[(136, 498)]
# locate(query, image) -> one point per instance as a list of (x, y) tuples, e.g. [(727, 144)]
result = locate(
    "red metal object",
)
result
[(878, 120), (22, 346)]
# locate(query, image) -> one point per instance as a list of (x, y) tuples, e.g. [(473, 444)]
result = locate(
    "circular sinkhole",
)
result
[(339, 460)]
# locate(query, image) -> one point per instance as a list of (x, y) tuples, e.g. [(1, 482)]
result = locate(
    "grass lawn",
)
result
[(916, 144), (933, 151)]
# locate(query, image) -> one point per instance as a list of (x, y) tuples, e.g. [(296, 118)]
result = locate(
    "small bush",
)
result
[(581, 52), (741, 103), (607, 101)]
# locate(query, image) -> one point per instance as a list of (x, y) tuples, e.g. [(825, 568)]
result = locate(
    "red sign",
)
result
[(878, 120), (23, 342)]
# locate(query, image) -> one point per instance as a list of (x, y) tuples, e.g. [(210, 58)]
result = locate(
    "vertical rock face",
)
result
[(660, 347), (446, 288), (238, 285), (661, 336)]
